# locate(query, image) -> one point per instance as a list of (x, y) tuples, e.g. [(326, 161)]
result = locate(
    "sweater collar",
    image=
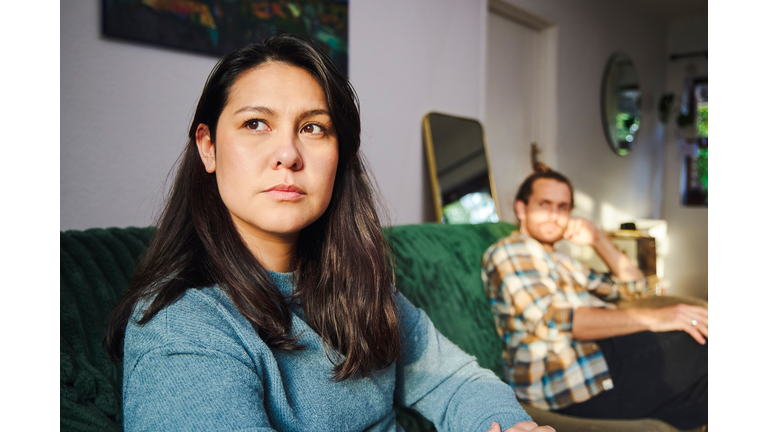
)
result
[(286, 282)]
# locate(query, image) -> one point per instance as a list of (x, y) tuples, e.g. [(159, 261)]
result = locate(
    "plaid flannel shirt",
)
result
[(533, 294)]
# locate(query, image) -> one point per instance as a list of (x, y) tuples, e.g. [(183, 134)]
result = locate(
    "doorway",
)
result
[(520, 97)]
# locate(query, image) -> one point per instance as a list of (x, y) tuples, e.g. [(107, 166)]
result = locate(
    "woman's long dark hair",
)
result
[(344, 271)]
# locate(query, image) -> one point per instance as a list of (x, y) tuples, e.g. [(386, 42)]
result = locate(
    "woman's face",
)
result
[(275, 154)]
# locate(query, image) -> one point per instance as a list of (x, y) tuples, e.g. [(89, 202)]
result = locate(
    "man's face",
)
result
[(547, 213)]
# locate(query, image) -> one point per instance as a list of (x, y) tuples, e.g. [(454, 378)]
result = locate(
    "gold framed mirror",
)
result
[(462, 184)]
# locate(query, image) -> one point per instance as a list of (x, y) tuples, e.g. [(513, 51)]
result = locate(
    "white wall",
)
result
[(408, 58), (125, 108), (589, 31), (686, 266), (645, 184)]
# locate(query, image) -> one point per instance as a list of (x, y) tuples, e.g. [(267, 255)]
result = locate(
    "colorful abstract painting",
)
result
[(218, 26)]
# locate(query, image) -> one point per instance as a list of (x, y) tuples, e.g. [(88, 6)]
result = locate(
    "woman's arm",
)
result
[(445, 384), (184, 387), (184, 370)]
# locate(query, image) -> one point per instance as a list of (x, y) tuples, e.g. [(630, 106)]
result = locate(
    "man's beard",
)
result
[(548, 236)]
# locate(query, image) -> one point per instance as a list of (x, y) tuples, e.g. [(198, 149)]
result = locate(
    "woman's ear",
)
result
[(205, 147)]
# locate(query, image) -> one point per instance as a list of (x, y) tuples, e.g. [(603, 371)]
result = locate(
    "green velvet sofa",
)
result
[(437, 268)]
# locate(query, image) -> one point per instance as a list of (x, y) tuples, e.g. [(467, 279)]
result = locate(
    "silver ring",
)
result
[(694, 322)]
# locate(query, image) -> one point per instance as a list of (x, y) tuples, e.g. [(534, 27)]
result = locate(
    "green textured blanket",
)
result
[(96, 265), (438, 270)]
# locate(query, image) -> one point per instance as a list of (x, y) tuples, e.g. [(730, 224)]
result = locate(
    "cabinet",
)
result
[(640, 250)]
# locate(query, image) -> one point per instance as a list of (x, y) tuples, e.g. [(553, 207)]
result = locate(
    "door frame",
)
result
[(545, 93)]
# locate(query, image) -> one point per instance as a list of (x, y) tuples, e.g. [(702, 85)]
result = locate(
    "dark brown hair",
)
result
[(526, 189), (344, 269)]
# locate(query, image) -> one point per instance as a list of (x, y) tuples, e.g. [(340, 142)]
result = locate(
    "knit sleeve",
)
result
[(186, 375), (445, 384)]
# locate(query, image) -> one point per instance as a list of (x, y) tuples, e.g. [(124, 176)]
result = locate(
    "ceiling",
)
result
[(669, 10)]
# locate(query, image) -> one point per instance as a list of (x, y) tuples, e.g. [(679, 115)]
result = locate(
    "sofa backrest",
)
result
[(96, 266), (437, 269)]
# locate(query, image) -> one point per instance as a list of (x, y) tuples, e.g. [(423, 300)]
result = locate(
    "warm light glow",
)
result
[(611, 218), (584, 205)]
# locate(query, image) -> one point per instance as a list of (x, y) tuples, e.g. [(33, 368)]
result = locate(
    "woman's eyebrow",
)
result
[(266, 111), (259, 109), (315, 112)]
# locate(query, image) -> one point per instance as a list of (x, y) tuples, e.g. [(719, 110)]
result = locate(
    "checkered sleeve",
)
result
[(521, 291), (606, 287)]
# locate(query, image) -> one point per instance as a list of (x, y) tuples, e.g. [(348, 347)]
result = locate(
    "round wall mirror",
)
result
[(620, 103)]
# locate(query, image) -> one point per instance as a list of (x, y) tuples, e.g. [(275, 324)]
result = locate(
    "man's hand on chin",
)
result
[(581, 232)]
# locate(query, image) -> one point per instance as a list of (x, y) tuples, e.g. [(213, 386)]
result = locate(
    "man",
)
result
[(566, 349)]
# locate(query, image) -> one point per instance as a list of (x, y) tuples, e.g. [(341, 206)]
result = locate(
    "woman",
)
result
[(265, 300)]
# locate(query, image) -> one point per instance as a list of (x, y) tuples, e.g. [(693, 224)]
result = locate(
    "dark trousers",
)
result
[(655, 375)]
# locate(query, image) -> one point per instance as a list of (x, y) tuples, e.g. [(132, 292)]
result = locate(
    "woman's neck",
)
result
[(274, 252), (276, 257)]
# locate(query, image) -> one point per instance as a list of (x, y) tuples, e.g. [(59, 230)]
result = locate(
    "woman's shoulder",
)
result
[(202, 319), (409, 315), (196, 305)]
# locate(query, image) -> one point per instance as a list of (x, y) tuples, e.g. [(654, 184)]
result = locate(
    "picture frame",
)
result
[(215, 27)]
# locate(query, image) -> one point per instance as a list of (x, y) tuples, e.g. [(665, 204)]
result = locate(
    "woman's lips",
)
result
[(285, 192)]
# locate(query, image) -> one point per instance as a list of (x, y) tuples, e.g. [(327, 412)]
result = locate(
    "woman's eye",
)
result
[(255, 125), (312, 129)]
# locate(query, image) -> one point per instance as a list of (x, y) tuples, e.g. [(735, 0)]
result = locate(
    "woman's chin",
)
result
[(286, 230), (279, 226)]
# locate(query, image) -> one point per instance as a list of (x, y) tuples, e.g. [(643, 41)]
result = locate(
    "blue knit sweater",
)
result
[(199, 365)]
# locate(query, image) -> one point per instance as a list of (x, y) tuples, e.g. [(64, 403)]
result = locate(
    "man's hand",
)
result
[(581, 232), (681, 317), (524, 426)]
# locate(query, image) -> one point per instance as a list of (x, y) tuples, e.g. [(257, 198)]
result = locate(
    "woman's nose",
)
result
[(286, 153)]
